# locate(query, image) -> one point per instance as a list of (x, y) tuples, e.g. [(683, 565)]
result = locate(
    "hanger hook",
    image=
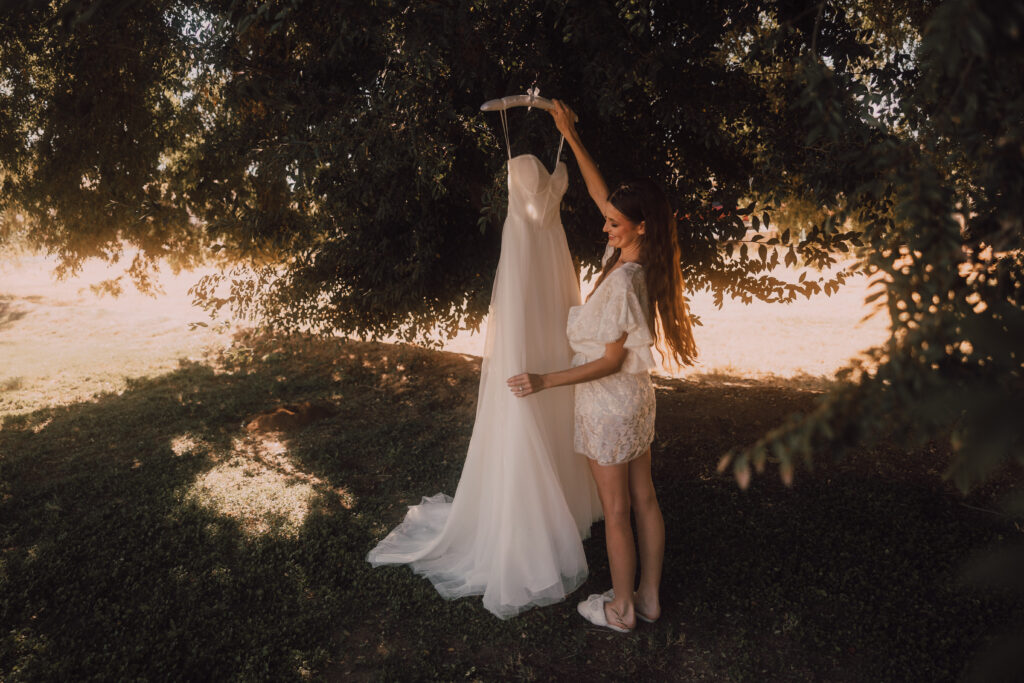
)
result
[(533, 92)]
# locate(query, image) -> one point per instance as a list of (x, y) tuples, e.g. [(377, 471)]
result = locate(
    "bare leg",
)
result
[(650, 528), (613, 488)]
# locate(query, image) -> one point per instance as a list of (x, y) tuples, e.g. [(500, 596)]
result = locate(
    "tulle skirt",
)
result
[(525, 501)]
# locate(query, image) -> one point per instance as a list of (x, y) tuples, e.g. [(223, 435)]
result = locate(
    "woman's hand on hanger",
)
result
[(564, 118)]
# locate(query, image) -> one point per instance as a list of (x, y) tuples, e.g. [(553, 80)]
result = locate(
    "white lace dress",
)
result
[(615, 414)]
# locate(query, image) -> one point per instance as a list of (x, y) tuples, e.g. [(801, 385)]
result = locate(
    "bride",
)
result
[(525, 500), (637, 301)]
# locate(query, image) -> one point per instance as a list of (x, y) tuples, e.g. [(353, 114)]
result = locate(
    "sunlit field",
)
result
[(62, 343), (798, 344)]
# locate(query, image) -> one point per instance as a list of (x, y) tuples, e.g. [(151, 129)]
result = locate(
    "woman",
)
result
[(614, 413)]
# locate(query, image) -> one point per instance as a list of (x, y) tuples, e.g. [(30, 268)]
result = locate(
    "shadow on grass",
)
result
[(801, 381), (125, 555), (148, 535), (8, 313), (111, 571)]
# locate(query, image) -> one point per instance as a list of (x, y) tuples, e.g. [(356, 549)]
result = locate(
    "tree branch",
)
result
[(817, 24)]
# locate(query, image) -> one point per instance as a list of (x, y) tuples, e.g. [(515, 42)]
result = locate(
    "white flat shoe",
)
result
[(609, 595), (592, 609)]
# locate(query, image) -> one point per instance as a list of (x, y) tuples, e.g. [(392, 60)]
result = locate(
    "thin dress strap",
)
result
[(558, 156), (504, 127)]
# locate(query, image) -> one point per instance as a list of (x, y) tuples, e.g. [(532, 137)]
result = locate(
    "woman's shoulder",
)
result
[(622, 279), (629, 273)]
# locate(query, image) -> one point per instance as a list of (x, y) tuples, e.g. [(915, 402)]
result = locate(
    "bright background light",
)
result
[(60, 343)]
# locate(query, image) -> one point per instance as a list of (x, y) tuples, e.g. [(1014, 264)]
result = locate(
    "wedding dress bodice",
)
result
[(534, 191)]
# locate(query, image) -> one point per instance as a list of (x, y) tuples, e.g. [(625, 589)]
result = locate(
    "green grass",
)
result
[(146, 535)]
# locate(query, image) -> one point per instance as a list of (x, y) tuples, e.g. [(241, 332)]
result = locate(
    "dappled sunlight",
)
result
[(185, 444), (259, 486), (258, 498)]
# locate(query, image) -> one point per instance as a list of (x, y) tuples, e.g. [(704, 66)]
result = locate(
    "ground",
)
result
[(146, 533)]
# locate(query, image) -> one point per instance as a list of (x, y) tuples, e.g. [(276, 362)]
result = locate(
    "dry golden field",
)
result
[(60, 343), (800, 344)]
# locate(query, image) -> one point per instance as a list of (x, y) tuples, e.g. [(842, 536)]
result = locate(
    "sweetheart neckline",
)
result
[(542, 164)]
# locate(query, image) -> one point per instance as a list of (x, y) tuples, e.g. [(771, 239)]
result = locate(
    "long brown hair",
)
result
[(668, 315)]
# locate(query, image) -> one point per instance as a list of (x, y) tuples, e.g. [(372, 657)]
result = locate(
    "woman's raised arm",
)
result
[(598, 189)]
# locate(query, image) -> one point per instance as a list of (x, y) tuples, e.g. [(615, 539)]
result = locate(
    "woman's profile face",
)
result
[(622, 232)]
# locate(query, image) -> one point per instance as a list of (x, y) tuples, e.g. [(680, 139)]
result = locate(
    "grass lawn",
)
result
[(147, 535)]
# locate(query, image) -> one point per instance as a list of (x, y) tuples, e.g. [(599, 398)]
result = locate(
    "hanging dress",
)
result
[(525, 500)]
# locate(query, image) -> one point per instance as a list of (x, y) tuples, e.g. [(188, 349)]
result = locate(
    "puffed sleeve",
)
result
[(625, 310)]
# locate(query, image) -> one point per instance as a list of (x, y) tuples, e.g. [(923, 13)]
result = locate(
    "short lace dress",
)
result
[(614, 415)]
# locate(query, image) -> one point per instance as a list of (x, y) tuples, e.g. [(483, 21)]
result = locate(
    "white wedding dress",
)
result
[(525, 501)]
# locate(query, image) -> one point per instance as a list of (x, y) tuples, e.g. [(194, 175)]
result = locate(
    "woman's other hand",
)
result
[(564, 118), (526, 384)]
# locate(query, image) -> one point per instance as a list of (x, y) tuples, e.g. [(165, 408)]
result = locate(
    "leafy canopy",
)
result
[(333, 156)]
